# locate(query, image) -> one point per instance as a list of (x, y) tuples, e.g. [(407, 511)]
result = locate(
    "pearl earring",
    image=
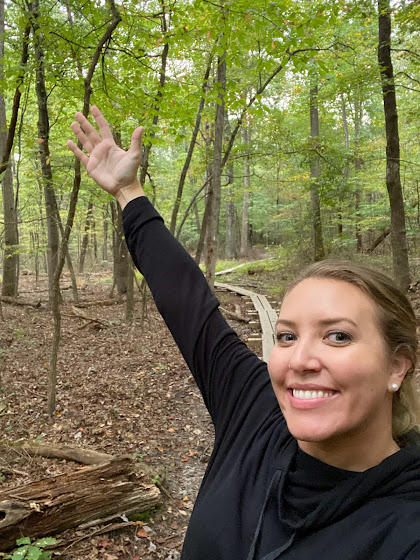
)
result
[(395, 386)]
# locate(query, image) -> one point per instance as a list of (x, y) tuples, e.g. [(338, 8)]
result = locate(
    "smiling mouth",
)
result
[(307, 395)]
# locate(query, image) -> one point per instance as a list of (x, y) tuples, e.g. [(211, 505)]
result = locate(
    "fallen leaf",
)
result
[(142, 533)]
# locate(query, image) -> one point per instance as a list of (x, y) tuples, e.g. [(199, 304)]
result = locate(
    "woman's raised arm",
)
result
[(113, 169), (210, 347)]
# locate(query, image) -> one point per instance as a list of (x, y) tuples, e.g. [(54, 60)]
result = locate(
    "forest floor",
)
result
[(123, 388)]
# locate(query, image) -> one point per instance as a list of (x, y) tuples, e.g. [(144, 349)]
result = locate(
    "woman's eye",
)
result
[(285, 337), (339, 337)]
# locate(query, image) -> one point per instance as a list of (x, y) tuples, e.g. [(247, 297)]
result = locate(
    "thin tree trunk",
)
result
[(16, 101), (193, 203), (244, 248), (85, 239), (393, 179), (11, 237), (347, 168), (119, 247), (52, 381), (164, 57), (190, 149), (44, 152), (105, 242), (216, 182), (120, 251), (68, 259), (230, 243), (129, 302), (357, 167), (7, 134), (319, 253)]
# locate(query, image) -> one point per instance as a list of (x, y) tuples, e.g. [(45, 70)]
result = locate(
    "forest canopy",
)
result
[(269, 113)]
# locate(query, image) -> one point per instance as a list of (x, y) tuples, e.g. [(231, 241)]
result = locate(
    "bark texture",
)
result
[(57, 503), (216, 180), (244, 249), (319, 252), (393, 178), (44, 152)]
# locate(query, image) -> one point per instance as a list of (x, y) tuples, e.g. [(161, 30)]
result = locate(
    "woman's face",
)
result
[(329, 368)]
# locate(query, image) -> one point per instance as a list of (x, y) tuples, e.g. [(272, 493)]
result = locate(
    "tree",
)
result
[(393, 178), (51, 206), (319, 252), (11, 236), (246, 135), (216, 179)]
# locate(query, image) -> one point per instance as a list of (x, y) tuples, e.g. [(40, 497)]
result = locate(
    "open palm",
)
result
[(108, 165)]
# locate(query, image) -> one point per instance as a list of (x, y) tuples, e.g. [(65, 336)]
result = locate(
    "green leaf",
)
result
[(46, 541), (34, 553), (20, 553), (24, 540)]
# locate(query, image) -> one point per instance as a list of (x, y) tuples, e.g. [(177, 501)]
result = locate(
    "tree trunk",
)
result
[(164, 59), (105, 242), (216, 181), (129, 302), (57, 503), (319, 253), (190, 149), (393, 179), (85, 239), (44, 153), (11, 235), (346, 169), (244, 249), (230, 244), (16, 101), (120, 250), (52, 380), (357, 167), (230, 241)]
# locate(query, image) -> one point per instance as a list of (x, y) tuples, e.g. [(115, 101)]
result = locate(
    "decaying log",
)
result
[(14, 301), (61, 502), (59, 451)]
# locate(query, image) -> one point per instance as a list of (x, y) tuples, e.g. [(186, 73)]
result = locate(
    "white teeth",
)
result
[(298, 394)]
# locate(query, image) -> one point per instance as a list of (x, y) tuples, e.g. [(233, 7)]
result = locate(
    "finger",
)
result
[(135, 145), (102, 123), (89, 130), (78, 152), (81, 136)]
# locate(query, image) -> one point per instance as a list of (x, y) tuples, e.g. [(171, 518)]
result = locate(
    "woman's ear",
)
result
[(399, 368)]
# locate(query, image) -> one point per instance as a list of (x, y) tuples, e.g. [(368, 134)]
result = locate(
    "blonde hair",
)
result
[(397, 324)]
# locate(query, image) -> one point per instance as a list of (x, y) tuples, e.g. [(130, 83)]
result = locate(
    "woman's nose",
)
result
[(304, 357)]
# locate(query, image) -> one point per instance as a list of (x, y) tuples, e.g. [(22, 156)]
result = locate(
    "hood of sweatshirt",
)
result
[(398, 476)]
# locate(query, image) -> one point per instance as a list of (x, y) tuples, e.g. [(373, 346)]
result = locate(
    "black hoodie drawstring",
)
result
[(273, 555)]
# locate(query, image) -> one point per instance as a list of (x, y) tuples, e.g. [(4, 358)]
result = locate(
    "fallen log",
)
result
[(58, 451), (52, 505), (15, 301)]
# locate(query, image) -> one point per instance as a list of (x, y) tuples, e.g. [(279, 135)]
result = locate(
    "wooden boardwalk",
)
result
[(266, 313)]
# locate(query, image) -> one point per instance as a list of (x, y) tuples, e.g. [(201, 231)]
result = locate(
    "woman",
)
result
[(324, 475)]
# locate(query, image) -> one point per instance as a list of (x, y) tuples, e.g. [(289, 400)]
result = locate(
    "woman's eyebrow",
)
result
[(322, 323)]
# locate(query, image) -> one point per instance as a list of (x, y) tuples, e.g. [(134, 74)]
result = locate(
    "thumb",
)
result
[(135, 146)]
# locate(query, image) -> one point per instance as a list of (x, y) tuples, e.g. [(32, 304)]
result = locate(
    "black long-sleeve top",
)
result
[(261, 496)]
